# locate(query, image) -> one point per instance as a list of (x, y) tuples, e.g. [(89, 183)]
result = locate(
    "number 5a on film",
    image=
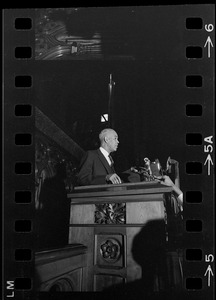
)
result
[(208, 148)]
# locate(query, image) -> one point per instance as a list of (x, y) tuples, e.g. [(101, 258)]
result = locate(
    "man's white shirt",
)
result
[(106, 155)]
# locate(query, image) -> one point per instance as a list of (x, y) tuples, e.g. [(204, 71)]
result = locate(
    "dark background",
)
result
[(149, 104), (155, 79), (150, 94)]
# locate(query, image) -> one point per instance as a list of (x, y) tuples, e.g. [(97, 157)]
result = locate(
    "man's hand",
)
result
[(114, 178)]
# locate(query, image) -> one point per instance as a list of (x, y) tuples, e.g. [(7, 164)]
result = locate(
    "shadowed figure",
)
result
[(52, 220), (148, 251)]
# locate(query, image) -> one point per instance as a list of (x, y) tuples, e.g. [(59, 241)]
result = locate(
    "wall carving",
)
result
[(54, 150), (62, 285), (82, 34), (47, 157), (52, 40), (60, 269)]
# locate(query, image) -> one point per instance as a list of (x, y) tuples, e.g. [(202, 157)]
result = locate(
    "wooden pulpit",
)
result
[(124, 228)]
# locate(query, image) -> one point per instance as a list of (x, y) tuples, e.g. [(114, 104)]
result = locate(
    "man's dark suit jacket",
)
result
[(94, 168)]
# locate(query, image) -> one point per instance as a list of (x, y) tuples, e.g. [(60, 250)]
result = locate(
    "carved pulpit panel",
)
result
[(108, 220)]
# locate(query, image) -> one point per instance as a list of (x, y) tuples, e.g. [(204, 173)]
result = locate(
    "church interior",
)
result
[(95, 69)]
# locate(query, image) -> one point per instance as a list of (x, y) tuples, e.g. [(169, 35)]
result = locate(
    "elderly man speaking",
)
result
[(97, 165)]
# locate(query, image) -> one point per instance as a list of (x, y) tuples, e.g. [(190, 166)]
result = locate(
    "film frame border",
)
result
[(24, 182)]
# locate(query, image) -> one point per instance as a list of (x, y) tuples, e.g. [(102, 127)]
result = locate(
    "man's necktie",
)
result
[(111, 160), (112, 163)]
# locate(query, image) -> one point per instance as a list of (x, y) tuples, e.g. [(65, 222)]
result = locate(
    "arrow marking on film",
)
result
[(209, 273), (209, 44), (209, 162)]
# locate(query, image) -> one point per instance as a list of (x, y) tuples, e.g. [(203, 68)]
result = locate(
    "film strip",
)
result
[(196, 86)]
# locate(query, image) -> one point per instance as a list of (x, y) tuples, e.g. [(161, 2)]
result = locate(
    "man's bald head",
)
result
[(109, 139), (105, 133)]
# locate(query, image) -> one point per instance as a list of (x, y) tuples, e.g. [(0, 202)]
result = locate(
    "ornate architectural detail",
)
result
[(52, 40), (110, 250), (62, 285), (47, 157), (79, 34), (110, 213), (54, 149)]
